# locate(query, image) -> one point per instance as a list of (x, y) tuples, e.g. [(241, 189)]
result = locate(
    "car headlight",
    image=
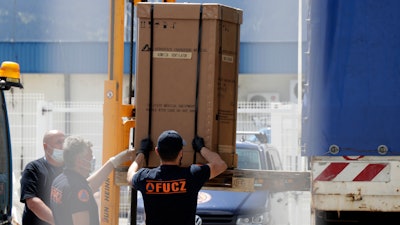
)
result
[(256, 219)]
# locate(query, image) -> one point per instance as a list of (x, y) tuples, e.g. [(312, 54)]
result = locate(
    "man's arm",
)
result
[(97, 178), (142, 154), (216, 164), (135, 166), (81, 218), (41, 210)]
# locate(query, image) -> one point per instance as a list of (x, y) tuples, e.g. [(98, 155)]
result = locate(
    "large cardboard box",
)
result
[(184, 89)]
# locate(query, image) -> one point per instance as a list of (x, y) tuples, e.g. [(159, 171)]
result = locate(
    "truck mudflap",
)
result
[(369, 183)]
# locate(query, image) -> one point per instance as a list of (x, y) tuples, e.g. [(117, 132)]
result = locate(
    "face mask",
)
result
[(92, 164), (58, 155)]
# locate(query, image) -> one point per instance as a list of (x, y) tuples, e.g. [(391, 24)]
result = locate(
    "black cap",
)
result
[(170, 140)]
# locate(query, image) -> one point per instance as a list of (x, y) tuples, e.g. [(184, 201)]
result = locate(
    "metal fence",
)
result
[(30, 116), (280, 122)]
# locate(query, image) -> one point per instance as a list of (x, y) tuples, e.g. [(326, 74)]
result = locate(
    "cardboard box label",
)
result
[(172, 55)]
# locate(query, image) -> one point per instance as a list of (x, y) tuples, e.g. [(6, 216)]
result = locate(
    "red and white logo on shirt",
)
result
[(56, 195), (83, 195)]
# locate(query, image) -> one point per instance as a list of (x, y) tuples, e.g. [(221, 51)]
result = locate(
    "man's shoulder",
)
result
[(145, 173), (60, 181), (198, 169), (40, 160), (199, 166), (36, 163)]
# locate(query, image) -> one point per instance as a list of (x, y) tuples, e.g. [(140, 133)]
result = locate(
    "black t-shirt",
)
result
[(170, 192), (36, 181), (70, 193)]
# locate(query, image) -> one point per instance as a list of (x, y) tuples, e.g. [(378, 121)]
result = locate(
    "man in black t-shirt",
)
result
[(169, 190), (36, 180), (71, 196)]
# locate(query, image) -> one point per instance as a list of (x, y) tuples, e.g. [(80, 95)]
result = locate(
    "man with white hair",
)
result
[(72, 199)]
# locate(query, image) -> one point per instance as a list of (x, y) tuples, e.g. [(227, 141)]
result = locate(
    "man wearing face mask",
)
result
[(36, 180), (71, 197)]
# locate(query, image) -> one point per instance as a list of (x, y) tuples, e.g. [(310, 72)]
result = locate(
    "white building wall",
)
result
[(90, 87)]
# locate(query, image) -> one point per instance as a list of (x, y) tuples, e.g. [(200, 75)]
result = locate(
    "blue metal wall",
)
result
[(91, 57), (57, 36)]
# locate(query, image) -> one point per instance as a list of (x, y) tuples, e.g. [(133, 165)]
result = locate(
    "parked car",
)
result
[(217, 207)]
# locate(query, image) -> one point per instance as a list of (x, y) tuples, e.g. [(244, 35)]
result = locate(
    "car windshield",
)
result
[(248, 159)]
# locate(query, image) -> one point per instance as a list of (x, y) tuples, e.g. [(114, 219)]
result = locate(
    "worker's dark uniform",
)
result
[(70, 193), (170, 193), (36, 181)]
